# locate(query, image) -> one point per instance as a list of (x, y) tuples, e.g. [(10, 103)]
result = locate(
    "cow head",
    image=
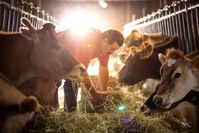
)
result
[(31, 33), (137, 69), (142, 43), (179, 75), (137, 39), (149, 106), (48, 54)]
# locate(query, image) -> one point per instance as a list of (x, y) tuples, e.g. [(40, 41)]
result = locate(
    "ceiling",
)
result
[(104, 0)]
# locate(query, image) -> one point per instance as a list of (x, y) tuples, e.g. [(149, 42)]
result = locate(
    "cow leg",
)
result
[(70, 96)]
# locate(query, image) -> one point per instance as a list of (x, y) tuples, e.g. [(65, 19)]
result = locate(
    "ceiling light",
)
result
[(103, 3)]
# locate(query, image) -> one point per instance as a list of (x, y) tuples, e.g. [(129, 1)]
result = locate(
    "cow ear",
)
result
[(28, 24), (148, 50), (162, 58), (134, 50), (25, 33), (195, 62), (32, 36), (29, 33)]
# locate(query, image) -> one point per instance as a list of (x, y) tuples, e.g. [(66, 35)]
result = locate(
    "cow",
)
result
[(137, 69), (34, 53), (14, 106), (37, 58), (179, 75), (142, 43), (192, 96)]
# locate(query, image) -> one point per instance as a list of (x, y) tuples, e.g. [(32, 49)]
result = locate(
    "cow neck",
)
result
[(27, 75)]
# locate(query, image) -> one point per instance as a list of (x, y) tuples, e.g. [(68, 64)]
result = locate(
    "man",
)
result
[(90, 45)]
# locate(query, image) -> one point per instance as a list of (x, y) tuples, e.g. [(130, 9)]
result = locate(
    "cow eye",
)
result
[(177, 75), (55, 45), (136, 42)]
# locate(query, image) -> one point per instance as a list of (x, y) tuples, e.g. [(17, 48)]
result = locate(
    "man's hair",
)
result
[(113, 36)]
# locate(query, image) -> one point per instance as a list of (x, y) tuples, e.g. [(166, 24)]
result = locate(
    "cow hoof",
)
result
[(29, 104)]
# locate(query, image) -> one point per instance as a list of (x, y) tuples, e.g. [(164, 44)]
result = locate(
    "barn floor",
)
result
[(119, 114)]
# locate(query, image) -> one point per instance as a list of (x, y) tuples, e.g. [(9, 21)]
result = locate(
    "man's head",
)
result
[(111, 41)]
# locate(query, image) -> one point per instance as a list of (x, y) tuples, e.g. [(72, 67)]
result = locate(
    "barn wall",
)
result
[(11, 12)]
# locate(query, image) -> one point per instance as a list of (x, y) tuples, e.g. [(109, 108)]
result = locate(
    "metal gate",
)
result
[(181, 19), (11, 12)]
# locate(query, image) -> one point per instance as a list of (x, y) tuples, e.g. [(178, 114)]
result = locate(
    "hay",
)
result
[(119, 114)]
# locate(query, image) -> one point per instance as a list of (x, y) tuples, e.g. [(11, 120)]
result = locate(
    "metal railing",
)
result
[(11, 12), (181, 19)]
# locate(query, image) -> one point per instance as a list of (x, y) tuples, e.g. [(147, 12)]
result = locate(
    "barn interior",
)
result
[(121, 112)]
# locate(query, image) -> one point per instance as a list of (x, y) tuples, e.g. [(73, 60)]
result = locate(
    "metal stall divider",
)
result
[(181, 19), (11, 12)]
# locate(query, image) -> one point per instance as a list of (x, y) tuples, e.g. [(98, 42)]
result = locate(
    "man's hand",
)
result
[(97, 97)]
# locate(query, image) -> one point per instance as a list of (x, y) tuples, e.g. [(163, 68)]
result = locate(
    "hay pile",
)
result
[(119, 114)]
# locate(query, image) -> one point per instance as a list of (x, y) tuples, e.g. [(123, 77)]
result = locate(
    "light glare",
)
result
[(80, 20), (121, 108), (103, 4)]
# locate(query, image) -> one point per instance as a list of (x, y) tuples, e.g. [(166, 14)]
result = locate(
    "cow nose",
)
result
[(143, 107), (158, 100)]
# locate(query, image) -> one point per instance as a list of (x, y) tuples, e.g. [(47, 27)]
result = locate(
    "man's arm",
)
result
[(89, 85), (103, 77), (98, 98)]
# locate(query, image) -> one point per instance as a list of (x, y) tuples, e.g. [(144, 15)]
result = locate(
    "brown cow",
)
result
[(192, 96), (15, 108), (142, 44), (36, 58), (179, 75)]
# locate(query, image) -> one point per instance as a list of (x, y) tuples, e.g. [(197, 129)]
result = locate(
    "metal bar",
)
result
[(9, 19), (18, 16), (177, 25), (197, 25), (13, 21), (162, 18), (1, 17), (7, 15), (194, 29), (185, 35), (4, 20), (181, 31)]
